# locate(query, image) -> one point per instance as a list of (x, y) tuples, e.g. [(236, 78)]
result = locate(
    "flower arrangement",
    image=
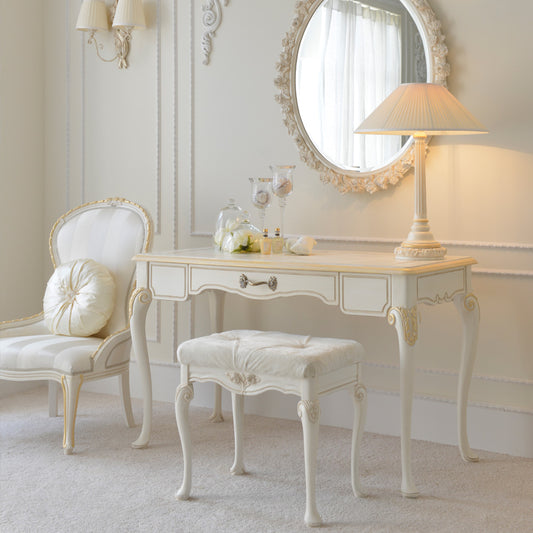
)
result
[(236, 237)]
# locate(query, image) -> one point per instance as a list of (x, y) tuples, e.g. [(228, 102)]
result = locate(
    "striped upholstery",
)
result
[(68, 355), (110, 232), (110, 236)]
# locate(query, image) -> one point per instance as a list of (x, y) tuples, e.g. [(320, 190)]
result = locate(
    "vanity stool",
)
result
[(250, 362)]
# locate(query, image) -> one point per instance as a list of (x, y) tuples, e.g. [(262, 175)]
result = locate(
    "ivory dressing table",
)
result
[(359, 283)]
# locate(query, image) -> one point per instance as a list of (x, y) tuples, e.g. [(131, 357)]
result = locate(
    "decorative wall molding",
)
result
[(158, 121), (452, 373), (68, 126), (159, 367), (67, 107), (211, 20), (69, 27), (394, 242)]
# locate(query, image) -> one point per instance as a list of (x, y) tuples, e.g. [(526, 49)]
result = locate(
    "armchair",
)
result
[(110, 232)]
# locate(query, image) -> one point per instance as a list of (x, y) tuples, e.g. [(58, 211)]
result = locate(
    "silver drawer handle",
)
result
[(272, 282)]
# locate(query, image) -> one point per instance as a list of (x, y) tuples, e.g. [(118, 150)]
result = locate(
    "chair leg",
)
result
[(53, 393), (359, 417), (71, 393), (237, 401), (309, 413), (124, 388), (184, 395)]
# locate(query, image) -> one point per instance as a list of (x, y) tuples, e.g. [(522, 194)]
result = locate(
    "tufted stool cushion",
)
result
[(271, 353), (249, 362)]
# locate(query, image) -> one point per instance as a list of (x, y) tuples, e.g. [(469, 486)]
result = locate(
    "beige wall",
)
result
[(180, 137), (21, 157)]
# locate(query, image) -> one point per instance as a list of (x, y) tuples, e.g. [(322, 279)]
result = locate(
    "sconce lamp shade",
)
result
[(421, 108), (92, 16), (129, 14)]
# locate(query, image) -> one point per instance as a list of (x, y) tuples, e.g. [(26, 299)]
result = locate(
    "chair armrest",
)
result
[(31, 325), (113, 350)]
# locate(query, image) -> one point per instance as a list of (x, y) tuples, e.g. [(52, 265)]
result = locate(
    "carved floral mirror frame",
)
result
[(344, 180)]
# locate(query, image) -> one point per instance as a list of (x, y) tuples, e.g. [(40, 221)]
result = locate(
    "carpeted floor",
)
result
[(107, 486)]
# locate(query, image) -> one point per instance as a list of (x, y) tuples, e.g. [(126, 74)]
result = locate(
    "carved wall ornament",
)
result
[(311, 408), (351, 180), (409, 318), (242, 379), (211, 20)]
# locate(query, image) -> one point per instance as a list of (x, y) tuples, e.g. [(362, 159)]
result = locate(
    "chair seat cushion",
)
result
[(270, 353), (79, 298), (69, 355)]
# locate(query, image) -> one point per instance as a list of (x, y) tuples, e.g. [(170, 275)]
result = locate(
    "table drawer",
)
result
[(168, 282), (365, 294), (441, 287), (322, 285)]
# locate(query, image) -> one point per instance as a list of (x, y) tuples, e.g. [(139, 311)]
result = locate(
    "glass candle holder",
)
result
[(261, 196), (282, 187)]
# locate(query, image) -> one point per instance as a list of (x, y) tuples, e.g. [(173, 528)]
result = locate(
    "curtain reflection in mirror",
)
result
[(349, 61)]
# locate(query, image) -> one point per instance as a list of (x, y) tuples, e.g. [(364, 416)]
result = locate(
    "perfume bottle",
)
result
[(265, 243), (277, 242)]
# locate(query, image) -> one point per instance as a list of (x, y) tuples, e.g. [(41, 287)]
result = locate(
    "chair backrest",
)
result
[(111, 232)]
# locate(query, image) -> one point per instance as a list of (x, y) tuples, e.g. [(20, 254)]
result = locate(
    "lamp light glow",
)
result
[(420, 110)]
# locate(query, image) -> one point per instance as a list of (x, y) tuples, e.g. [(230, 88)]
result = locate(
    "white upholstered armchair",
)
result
[(109, 232)]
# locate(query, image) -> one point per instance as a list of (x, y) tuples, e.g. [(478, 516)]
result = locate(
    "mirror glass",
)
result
[(352, 55)]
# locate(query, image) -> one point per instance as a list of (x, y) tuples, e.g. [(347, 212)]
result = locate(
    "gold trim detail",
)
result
[(470, 302), (111, 202), (65, 410), (409, 318), (145, 298), (311, 408), (36, 315), (359, 393)]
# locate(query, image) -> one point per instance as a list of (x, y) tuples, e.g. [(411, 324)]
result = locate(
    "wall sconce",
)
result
[(126, 15)]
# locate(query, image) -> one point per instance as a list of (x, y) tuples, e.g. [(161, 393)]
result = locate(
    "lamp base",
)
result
[(422, 251)]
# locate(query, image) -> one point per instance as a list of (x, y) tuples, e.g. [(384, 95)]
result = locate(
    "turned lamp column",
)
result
[(420, 236), (420, 109)]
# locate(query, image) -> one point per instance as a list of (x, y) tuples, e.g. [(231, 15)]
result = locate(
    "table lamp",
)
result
[(420, 110)]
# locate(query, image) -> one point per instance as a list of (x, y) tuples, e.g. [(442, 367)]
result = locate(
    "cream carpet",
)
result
[(108, 486)]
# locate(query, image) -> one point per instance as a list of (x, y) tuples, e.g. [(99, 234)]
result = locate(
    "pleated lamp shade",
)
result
[(92, 16), (421, 108), (129, 14)]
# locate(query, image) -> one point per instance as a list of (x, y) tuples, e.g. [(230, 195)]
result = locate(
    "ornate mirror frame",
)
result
[(352, 180)]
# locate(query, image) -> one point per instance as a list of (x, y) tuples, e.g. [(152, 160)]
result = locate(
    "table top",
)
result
[(319, 260)]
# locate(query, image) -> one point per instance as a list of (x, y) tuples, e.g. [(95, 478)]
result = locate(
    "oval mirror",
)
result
[(340, 60)]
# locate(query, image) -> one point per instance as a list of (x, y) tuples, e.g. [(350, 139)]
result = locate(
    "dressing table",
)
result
[(359, 283)]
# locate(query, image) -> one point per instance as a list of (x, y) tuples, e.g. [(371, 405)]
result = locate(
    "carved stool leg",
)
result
[(184, 395), (309, 413), (237, 401), (359, 417)]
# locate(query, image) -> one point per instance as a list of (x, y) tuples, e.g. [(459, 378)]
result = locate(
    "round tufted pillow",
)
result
[(79, 298)]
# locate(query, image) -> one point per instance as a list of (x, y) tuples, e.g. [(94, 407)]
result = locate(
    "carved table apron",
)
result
[(359, 283)]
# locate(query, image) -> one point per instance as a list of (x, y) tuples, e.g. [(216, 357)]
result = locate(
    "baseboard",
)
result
[(489, 429), (7, 388)]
